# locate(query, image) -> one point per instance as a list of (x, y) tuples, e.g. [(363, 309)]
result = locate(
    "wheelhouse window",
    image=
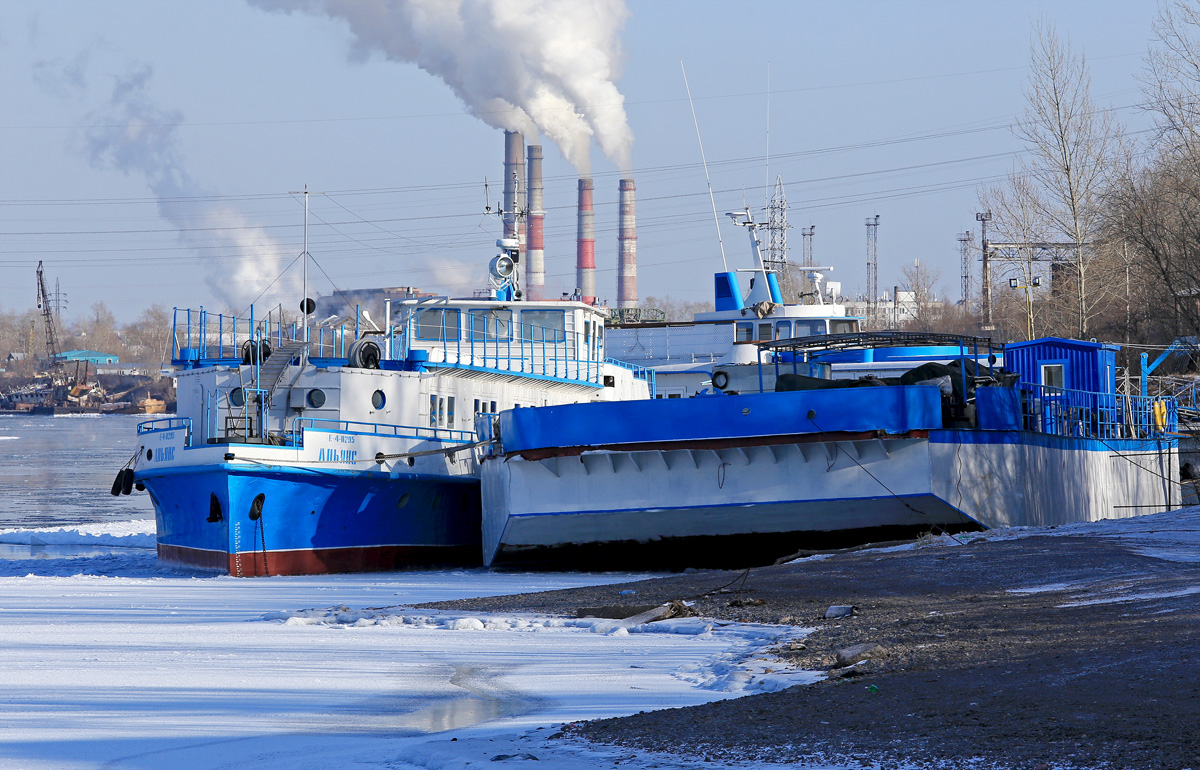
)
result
[(764, 331), (437, 324), (783, 330), (491, 324), (543, 325), (744, 332), (810, 328), (844, 327)]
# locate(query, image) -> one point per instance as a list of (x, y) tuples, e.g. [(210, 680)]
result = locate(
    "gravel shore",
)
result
[(1040, 652)]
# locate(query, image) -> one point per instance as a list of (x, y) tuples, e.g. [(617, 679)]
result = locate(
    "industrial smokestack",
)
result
[(535, 261), (514, 185), (585, 249), (627, 292)]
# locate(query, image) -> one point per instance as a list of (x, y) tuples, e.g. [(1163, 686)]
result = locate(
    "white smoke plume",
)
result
[(532, 66), (133, 135)]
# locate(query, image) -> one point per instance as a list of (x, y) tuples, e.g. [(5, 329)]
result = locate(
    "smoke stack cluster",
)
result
[(627, 291), (514, 185), (585, 249), (535, 261), (518, 198)]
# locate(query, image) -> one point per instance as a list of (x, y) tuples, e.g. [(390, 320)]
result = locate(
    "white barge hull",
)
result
[(773, 499)]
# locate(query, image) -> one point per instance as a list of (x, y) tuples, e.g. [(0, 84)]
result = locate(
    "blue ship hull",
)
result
[(311, 522)]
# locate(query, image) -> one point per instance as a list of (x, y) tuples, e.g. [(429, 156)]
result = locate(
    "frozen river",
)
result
[(58, 470)]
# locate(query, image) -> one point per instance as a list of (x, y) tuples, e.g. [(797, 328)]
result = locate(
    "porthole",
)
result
[(403, 501), (237, 397), (378, 399), (316, 398), (149, 454)]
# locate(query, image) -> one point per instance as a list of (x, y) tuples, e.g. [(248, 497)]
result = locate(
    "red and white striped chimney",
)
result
[(535, 260), (514, 185), (585, 248), (627, 291)]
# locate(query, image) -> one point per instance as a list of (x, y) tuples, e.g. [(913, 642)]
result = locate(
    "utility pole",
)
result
[(872, 269), (985, 285), (58, 301), (964, 253)]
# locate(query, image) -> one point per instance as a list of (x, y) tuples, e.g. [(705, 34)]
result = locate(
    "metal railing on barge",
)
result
[(1042, 408), (1084, 414), (201, 338), (294, 436)]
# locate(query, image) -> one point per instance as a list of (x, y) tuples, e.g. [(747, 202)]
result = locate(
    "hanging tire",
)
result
[(127, 481), (365, 353), (118, 482), (720, 380), (255, 352)]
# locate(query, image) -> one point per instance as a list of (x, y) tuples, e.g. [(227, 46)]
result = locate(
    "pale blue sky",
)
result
[(896, 109)]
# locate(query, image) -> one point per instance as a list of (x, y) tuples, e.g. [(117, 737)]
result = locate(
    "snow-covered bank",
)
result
[(112, 661)]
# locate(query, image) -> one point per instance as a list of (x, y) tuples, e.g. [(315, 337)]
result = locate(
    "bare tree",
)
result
[(1019, 216), (1171, 79), (922, 281), (1070, 144), (1156, 209), (677, 309)]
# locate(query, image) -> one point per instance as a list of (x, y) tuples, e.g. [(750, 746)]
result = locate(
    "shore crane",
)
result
[(55, 363)]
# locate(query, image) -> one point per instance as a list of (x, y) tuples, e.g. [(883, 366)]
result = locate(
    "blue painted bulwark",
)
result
[(1087, 366), (727, 294), (893, 410), (998, 408)]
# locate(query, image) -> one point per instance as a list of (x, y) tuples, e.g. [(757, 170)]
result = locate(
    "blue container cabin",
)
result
[(1062, 363)]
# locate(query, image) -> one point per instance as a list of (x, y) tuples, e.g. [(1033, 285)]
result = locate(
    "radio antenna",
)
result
[(713, 200)]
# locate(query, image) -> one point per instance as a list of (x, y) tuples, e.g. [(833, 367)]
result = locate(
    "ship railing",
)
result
[(164, 424), (1086, 414), (201, 337), (639, 372), (505, 346), (445, 435)]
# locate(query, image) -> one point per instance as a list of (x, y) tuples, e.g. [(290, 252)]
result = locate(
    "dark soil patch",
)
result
[(970, 672)]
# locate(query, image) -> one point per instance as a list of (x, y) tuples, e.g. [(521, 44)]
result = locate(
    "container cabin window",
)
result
[(1053, 376), (433, 411), (844, 327), (543, 325), (437, 324), (809, 328), (450, 411), (744, 333), (489, 325)]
